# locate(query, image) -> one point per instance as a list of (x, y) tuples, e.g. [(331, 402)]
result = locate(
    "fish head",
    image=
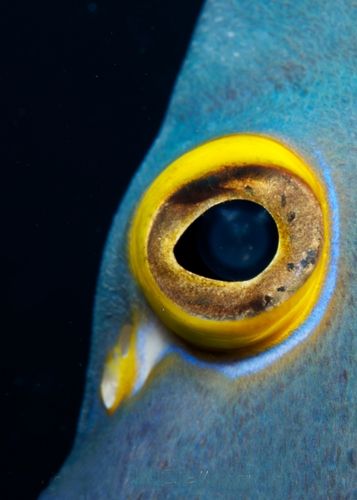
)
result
[(166, 414)]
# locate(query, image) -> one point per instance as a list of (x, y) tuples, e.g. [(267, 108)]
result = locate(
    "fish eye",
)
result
[(230, 243)]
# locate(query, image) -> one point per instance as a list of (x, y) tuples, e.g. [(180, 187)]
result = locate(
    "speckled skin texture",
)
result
[(287, 69)]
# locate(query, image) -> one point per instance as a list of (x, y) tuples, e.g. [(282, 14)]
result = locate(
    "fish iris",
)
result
[(230, 243)]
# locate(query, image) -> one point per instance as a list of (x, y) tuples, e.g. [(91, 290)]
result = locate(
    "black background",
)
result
[(84, 87)]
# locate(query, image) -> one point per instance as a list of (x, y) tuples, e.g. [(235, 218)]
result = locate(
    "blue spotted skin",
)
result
[(287, 69)]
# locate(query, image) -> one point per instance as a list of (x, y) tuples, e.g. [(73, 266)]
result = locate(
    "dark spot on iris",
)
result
[(232, 241), (290, 266), (249, 189), (309, 259), (281, 289), (283, 200), (259, 304), (267, 300), (291, 216)]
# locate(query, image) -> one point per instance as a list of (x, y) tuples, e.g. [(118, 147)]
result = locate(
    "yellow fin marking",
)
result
[(120, 369)]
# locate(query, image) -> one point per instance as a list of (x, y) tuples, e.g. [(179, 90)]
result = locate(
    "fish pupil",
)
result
[(232, 241)]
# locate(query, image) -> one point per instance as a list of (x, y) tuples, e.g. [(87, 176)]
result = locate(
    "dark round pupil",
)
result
[(232, 241)]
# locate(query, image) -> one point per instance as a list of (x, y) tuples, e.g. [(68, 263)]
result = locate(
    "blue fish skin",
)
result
[(287, 69)]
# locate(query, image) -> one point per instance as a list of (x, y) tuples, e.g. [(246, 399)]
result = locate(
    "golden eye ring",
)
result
[(249, 315)]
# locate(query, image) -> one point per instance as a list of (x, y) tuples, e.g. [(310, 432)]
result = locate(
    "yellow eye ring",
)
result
[(214, 314)]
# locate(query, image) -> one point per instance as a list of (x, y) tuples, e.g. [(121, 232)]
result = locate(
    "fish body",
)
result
[(285, 428)]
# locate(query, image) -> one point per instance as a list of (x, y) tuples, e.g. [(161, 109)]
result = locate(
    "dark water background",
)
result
[(84, 89)]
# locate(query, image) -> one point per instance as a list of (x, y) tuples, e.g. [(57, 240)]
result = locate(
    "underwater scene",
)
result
[(180, 250)]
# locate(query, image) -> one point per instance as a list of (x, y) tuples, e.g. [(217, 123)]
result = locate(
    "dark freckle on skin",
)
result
[(163, 464), (283, 200), (290, 266), (352, 457), (231, 94), (291, 216), (281, 289)]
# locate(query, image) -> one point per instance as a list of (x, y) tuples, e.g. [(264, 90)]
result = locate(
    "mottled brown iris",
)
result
[(296, 212)]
